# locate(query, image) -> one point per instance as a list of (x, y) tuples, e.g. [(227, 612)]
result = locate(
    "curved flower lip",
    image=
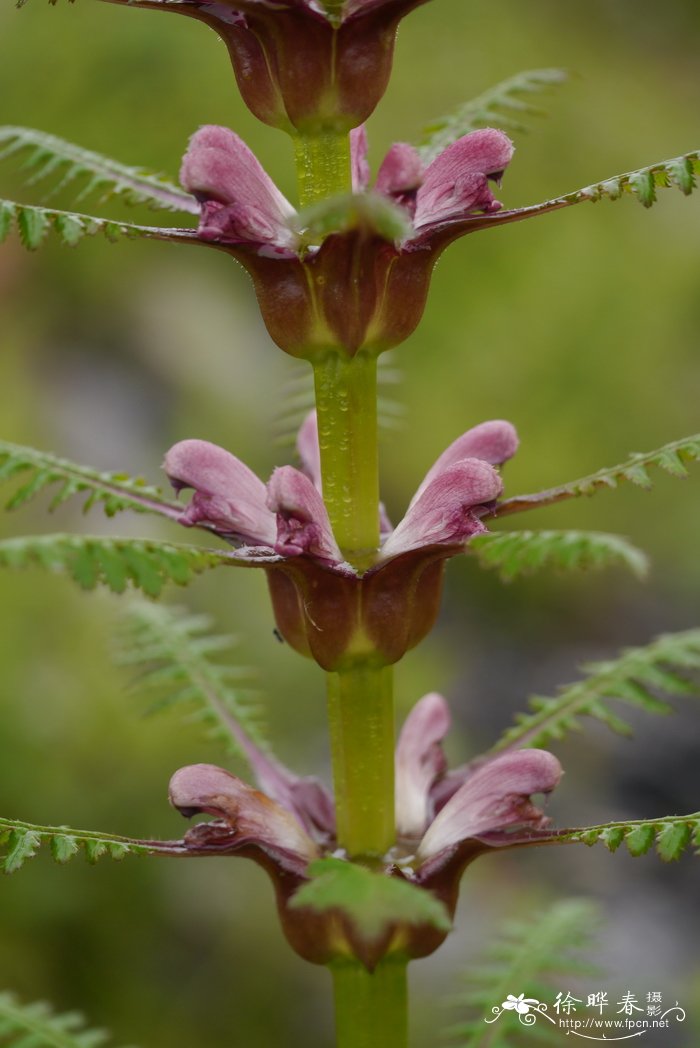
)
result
[(241, 205), (419, 763), (494, 798), (292, 821), (256, 820), (287, 518)]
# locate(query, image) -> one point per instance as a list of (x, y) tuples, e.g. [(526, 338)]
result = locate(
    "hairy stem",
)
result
[(371, 1008), (323, 166), (346, 403), (361, 716)]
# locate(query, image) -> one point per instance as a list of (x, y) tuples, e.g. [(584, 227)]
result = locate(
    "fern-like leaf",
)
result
[(36, 1025), (635, 678), (116, 492), (35, 223), (670, 836), (177, 656), (46, 155), (506, 106), (144, 563), (20, 841), (530, 956), (517, 553), (671, 458)]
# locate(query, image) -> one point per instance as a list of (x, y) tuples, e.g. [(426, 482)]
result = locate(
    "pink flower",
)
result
[(443, 822), (322, 606), (300, 64), (243, 213)]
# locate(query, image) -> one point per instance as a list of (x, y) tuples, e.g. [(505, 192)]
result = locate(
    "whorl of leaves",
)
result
[(144, 563), (671, 458), (115, 491), (669, 836), (506, 105), (36, 1025), (177, 659), (20, 841), (516, 553), (35, 223), (45, 156), (530, 956), (635, 678)]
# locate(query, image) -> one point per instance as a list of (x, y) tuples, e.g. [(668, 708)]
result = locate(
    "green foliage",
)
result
[(671, 458), (46, 155), (680, 171), (20, 841), (145, 563), (371, 901), (37, 1026), (115, 491), (34, 224), (348, 211), (176, 656), (670, 836), (506, 106), (515, 553), (530, 956), (634, 678)]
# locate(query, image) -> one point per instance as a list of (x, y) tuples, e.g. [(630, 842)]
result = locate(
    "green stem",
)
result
[(323, 166), (361, 717), (346, 404), (371, 1008)]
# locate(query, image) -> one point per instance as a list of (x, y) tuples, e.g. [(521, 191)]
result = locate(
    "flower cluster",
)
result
[(444, 821), (357, 288), (323, 606)]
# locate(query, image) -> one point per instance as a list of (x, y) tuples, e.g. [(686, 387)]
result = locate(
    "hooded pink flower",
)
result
[(443, 822), (323, 607), (367, 290), (302, 65)]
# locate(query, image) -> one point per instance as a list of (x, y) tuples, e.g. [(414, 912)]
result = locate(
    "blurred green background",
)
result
[(581, 327)]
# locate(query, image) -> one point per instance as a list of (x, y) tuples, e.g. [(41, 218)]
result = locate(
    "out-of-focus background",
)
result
[(581, 327)]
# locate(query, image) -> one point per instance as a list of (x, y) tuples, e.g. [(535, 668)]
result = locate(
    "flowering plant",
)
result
[(366, 877)]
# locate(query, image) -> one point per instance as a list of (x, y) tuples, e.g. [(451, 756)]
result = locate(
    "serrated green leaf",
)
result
[(23, 845), (46, 155), (672, 840), (7, 217), (612, 838), (177, 659), (642, 184), (37, 1026), (631, 678), (22, 840), (371, 901), (63, 847), (532, 955), (671, 458), (640, 839), (33, 225), (518, 553), (503, 106), (90, 561)]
